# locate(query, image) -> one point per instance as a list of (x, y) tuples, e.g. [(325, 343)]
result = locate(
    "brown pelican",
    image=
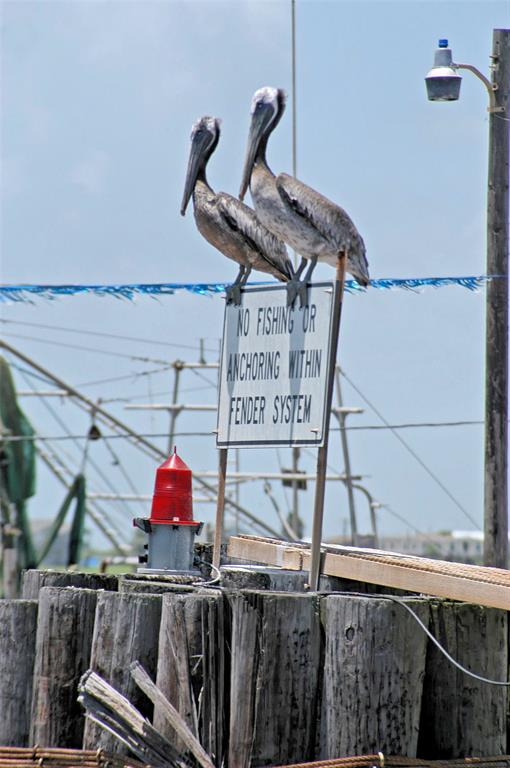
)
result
[(311, 224), (225, 222)]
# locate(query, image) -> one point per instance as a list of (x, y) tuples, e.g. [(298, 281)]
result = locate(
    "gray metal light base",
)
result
[(169, 545)]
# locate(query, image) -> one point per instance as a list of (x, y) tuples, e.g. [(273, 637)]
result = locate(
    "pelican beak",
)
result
[(200, 142), (261, 119)]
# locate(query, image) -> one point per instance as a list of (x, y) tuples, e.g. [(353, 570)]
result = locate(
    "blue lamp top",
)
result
[(443, 43)]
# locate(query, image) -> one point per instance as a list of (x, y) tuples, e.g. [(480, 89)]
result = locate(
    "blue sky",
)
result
[(98, 99)]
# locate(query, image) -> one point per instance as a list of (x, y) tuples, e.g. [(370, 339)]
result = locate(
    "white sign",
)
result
[(274, 368)]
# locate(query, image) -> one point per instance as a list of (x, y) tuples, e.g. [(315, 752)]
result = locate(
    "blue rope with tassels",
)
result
[(27, 292)]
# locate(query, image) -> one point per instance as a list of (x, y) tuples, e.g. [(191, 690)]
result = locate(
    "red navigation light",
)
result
[(172, 502)]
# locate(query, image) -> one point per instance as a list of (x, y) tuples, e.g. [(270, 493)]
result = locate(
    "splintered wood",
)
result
[(468, 583)]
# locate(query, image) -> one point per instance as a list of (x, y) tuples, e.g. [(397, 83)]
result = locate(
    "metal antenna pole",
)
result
[(201, 357), (294, 110), (294, 136), (296, 523), (177, 366), (496, 349), (341, 416)]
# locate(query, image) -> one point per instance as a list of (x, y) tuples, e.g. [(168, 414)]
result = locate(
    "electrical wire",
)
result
[(410, 450), (130, 398), (107, 335), (110, 353), (85, 455), (134, 375), (391, 427), (402, 519), (386, 507), (204, 377), (31, 373), (165, 364), (386, 425), (410, 425)]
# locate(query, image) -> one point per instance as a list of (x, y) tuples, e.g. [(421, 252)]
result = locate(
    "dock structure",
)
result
[(261, 670)]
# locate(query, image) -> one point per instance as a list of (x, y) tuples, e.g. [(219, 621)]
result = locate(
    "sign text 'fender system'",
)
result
[(275, 369)]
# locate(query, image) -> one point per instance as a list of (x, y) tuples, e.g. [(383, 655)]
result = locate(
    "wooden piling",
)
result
[(241, 577), (150, 584), (126, 630), (461, 716), (191, 667), (18, 622), (374, 666), (65, 625), (276, 655), (34, 580)]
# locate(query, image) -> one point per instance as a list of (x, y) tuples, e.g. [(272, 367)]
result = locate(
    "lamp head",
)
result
[(442, 81)]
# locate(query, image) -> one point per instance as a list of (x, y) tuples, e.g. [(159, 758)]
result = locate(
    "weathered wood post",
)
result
[(461, 716), (142, 585), (374, 666), (276, 655), (18, 622), (65, 625), (191, 667), (126, 630), (34, 580)]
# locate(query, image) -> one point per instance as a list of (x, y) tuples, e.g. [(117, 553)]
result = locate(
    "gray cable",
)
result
[(440, 647), (106, 335)]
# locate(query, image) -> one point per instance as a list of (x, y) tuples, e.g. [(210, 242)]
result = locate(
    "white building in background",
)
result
[(460, 546)]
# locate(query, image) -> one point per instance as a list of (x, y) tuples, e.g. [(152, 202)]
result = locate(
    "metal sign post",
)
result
[(220, 507), (322, 458)]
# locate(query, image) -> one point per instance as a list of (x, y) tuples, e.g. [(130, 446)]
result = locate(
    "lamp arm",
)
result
[(491, 87)]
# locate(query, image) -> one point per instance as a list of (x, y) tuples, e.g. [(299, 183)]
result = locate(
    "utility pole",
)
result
[(496, 360)]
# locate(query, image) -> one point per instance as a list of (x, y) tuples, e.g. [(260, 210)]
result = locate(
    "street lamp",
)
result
[(443, 84)]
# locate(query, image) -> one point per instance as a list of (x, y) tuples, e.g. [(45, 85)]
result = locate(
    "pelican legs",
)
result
[(233, 292), (297, 287)]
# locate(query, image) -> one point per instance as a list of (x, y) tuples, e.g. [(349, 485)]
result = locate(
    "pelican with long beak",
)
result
[(315, 227), (225, 222)]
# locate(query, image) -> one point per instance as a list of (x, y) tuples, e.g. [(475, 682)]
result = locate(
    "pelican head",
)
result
[(267, 107), (205, 135), (358, 263)]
